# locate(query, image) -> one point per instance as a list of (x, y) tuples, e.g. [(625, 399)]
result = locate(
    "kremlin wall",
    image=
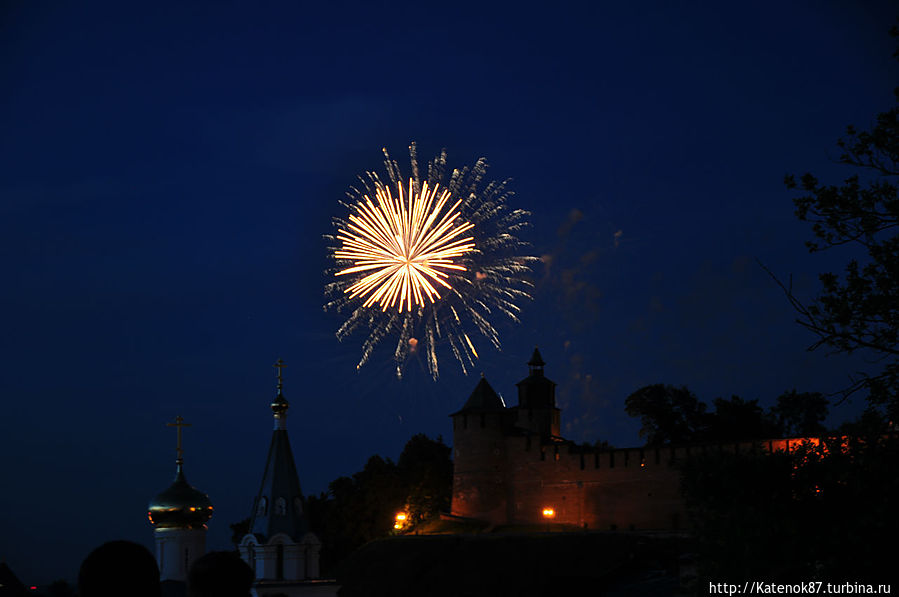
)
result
[(511, 466)]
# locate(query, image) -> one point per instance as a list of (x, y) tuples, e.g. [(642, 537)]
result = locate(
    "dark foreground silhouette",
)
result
[(119, 568), (219, 574)]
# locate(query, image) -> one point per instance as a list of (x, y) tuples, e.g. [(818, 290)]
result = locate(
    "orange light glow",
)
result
[(549, 513)]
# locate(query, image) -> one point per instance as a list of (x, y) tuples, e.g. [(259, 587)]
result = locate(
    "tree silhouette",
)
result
[(800, 414), (361, 508), (859, 310), (669, 414)]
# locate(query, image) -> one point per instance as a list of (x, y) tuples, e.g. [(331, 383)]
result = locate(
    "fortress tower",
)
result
[(488, 440), (511, 466), (479, 460), (537, 410)]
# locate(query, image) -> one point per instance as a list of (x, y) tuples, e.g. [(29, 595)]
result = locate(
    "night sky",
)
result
[(168, 173)]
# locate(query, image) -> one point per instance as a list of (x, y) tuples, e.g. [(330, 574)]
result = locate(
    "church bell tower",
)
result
[(279, 547)]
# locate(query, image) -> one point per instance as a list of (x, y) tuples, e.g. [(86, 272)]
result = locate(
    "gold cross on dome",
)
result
[(179, 423), (279, 366)]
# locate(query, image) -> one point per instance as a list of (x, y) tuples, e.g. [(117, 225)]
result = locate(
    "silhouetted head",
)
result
[(119, 568), (220, 574)]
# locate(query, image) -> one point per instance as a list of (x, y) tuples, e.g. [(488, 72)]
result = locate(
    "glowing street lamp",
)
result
[(400, 520)]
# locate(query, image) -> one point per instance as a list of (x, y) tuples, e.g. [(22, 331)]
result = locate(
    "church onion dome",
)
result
[(180, 506), (280, 405), (483, 399)]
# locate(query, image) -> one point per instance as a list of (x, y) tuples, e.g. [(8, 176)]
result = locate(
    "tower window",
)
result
[(281, 507)]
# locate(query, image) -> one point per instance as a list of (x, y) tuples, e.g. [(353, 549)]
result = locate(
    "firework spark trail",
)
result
[(395, 252), (404, 243)]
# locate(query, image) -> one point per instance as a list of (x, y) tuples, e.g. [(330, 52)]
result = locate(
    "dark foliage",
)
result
[(426, 471), (816, 514), (739, 419), (800, 414), (356, 509), (672, 415), (859, 310), (363, 507)]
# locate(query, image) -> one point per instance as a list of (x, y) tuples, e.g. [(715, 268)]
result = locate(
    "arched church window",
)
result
[(281, 507), (298, 506), (263, 506)]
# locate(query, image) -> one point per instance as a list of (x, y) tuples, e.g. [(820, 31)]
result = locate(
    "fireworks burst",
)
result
[(405, 244), (432, 265)]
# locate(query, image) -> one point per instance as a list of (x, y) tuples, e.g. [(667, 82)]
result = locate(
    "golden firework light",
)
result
[(406, 243), (428, 262)]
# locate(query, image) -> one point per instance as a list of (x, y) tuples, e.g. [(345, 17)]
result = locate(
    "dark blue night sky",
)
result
[(168, 173)]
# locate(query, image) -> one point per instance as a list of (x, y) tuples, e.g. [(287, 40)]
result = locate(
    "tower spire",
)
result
[(535, 365), (280, 404), (179, 452), (279, 366)]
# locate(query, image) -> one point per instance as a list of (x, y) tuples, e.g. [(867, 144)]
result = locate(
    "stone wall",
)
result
[(505, 477)]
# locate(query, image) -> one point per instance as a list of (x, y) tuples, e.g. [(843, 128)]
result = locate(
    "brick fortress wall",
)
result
[(510, 465)]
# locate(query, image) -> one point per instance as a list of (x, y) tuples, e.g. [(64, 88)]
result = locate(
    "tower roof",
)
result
[(536, 359), (536, 390), (483, 399), (279, 504), (535, 372), (180, 505)]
